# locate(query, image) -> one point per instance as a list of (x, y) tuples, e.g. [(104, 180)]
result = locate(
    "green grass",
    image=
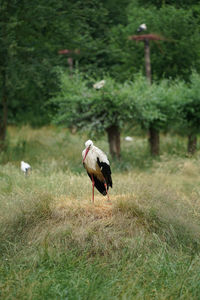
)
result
[(54, 244)]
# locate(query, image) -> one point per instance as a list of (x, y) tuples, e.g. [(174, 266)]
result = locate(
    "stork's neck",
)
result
[(86, 153)]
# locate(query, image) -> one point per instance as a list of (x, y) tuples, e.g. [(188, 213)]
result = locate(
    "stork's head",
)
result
[(88, 145)]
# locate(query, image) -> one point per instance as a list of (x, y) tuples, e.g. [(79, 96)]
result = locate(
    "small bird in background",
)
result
[(142, 27), (97, 166), (128, 139), (25, 167), (99, 84)]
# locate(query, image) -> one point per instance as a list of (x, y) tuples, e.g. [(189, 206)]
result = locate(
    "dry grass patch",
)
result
[(65, 207), (101, 228)]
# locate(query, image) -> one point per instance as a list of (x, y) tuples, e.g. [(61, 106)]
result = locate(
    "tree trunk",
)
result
[(192, 143), (3, 124), (3, 114), (154, 141), (114, 141)]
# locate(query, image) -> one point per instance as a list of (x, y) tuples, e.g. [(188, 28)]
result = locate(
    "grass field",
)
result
[(54, 244)]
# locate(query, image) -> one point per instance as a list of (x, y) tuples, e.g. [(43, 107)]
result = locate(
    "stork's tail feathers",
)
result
[(100, 186)]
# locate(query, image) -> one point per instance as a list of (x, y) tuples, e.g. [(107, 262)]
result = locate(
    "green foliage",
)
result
[(33, 32), (189, 105), (161, 3), (174, 56), (81, 105), (31, 35), (165, 105), (153, 104)]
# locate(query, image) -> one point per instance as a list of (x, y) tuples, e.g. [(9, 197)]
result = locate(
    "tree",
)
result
[(31, 35), (154, 108), (95, 110), (6, 40), (188, 101), (175, 56), (161, 3)]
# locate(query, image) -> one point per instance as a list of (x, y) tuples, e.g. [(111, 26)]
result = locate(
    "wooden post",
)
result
[(154, 140), (146, 38), (70, 60), (70, 63), (147, 59)]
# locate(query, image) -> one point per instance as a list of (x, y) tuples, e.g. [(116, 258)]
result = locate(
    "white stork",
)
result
[(97, 166), (25, 167), (99, 84), (128, 139), (142, 27)]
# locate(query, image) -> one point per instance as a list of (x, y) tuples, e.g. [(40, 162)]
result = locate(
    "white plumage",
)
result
[(25, 167), (99, 84), (91, 158), (97, 166), (142, 27), (128, 139)]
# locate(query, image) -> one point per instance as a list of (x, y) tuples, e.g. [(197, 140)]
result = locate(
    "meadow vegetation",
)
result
[(54, 244)]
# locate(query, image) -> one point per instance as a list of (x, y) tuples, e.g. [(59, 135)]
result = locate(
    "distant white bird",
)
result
[(97, 166), (99, 84), (25, 167), (142, 27), (128, 139)]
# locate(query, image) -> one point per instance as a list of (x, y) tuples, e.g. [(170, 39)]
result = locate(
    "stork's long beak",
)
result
[(86, 152)]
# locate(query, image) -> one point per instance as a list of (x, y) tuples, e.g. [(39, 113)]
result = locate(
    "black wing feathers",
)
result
[(98, 184), (106, 171)]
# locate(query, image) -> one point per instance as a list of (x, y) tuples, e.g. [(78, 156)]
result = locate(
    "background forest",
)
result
[(43, 43)]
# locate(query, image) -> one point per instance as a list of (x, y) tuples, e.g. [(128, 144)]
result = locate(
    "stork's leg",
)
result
[(92, 188), (105, 184)]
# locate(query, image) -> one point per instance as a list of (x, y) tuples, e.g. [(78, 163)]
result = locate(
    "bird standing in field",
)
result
[(97, 166), (25, 167)]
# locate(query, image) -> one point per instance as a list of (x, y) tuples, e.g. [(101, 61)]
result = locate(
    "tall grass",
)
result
[(54, 244)]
